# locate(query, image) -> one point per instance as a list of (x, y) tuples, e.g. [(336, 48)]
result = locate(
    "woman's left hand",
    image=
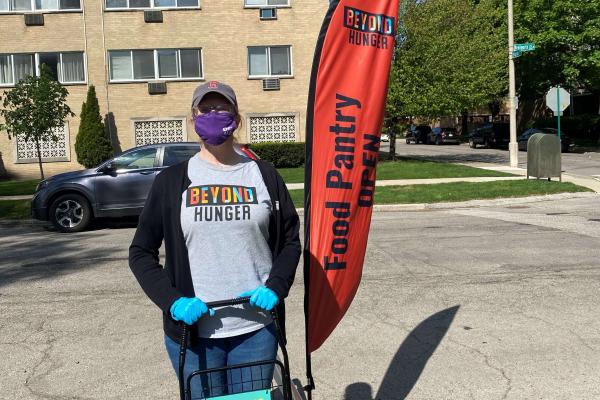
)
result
[(262, 297)]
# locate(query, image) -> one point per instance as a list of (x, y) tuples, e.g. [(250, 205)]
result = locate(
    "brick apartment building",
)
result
[(145, 57)]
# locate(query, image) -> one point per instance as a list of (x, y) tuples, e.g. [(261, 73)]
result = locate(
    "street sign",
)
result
[(524, 47), (558, 99), (517, 54)]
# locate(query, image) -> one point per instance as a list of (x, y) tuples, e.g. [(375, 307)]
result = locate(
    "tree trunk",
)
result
[(464, 124), (37, 145), (392, 155)]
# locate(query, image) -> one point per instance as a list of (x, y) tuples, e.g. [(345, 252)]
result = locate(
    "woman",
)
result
[(230, 230)]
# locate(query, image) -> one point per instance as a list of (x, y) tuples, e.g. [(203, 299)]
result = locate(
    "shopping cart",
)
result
[(235, 382)]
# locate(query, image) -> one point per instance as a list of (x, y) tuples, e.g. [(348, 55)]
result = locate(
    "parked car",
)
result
[(417, 134), (565, 141), (443, 135), (496, 134), (385, 137), (118, 187)]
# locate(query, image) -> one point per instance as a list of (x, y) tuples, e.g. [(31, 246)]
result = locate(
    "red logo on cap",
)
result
[(212, 85)]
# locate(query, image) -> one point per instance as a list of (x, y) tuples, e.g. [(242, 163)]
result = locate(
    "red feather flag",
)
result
[(344, 119)]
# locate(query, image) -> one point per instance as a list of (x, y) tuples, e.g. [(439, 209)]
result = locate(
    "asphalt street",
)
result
[(497, 302), (583, 164)]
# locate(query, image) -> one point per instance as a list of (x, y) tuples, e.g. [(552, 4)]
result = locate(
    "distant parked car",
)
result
[(118, 187), (417, 134), (496, 134), (565, 141), (385, 137), (443, 135)]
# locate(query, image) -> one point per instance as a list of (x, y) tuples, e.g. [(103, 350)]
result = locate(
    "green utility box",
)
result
[(544, 156)]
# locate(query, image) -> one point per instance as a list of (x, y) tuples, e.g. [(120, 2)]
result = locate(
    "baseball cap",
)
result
[(213, 87)]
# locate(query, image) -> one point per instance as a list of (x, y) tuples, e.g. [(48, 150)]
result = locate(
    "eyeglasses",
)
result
[(220, 108)]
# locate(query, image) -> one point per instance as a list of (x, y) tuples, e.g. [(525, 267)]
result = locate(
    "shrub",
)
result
[(282, 155), (92, 146)]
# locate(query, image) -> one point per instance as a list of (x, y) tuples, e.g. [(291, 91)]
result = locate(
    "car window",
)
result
[(142, 158), (176, 154)]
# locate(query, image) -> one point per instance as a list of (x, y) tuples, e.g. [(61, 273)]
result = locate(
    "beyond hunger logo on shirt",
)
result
[(367, 29), (221, 202)]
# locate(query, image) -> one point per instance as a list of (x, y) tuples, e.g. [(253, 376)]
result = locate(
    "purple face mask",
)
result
[(214, 128)]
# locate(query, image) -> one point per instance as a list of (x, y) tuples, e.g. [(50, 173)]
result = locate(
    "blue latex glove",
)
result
[(189, 310), (262, 297)]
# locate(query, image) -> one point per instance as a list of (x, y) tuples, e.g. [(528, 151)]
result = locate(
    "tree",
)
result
[(34, 108), (567, 38), (450, 57), (92, 146)]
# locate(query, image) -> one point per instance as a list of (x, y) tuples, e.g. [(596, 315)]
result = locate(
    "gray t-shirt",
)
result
[(225, 222)]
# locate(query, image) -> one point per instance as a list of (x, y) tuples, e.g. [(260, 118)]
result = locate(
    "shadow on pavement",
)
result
[(37, 255), (461, 158), (410, 360)]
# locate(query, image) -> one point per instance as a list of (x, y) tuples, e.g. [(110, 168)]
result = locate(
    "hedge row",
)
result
[(282, 155), (578, 126)]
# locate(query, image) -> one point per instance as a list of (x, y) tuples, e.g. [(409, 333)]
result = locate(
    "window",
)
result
[(6, 70), (39, 5), (273, 127), (158, 131), (145, 65), (116, 4), (65, 67), (176, 154), (266, 3), (264, 61), (51, 60), (137, 159)]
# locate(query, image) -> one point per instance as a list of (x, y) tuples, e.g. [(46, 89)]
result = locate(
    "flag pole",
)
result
[(310, 386)]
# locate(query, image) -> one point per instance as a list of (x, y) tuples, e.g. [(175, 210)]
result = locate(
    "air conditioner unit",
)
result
[(153, 16), (268, 13), (36, 19), (158, 87), (271, 84)]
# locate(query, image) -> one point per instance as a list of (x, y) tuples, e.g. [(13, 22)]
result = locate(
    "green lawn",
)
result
[(15, 209), (460, 191), (407, 169), (16, 188)]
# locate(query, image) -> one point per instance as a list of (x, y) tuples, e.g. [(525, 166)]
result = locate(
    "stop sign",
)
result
[(558, 99)]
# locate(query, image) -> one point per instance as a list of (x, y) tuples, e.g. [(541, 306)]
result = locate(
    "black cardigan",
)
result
[(160, 219)]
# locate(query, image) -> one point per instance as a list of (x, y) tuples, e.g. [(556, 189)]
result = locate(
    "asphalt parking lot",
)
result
[(497, 302)]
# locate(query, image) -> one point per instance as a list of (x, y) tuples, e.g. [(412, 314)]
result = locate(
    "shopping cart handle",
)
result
[(230, 302)]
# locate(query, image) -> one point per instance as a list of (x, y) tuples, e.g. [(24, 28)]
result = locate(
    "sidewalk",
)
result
[(585, 181), (24, 197)]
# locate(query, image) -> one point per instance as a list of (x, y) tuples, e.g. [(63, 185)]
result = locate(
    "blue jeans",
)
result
[(214, 353)]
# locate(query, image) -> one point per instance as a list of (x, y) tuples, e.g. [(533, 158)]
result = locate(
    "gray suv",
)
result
[(116, 188)]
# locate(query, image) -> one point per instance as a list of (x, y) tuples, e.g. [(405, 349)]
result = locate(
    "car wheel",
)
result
[(70, 213), (472, 144)]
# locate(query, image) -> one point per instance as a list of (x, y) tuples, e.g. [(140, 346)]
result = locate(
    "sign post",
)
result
[(558, 99)]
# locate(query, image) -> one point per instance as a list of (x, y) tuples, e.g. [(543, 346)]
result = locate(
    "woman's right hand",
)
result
[(189, 310)]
